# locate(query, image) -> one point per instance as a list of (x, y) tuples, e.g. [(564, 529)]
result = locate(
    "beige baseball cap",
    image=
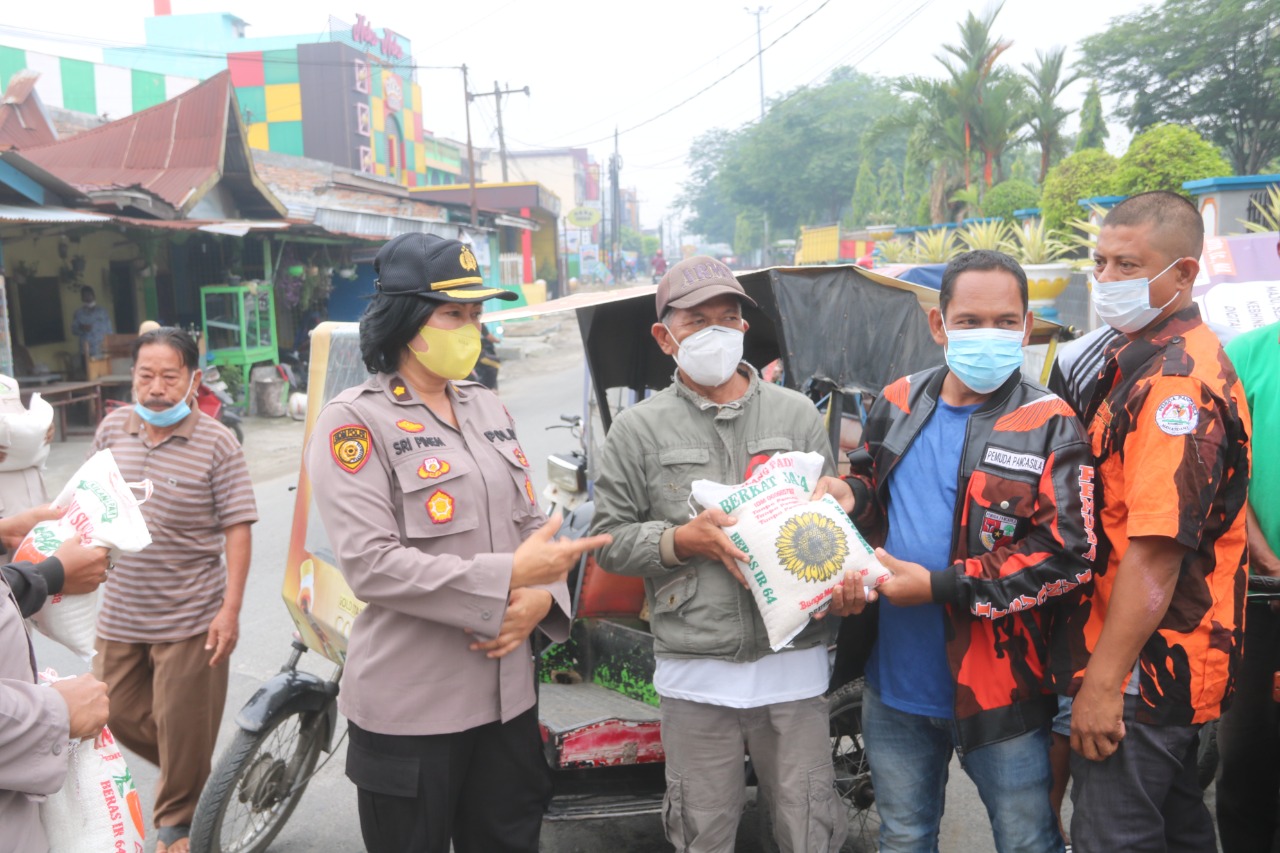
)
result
[(694, 281)]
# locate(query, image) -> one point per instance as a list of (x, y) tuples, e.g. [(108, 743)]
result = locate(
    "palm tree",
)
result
[(935, 137), (1047, 80), (971, 67), (1000, 116)]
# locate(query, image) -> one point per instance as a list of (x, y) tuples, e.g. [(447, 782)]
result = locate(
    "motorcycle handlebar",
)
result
[(1264, 584)]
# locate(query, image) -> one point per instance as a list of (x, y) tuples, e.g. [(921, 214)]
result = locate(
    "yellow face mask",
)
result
[(451, 353)]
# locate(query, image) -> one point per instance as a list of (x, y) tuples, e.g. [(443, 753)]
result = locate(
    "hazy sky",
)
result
[(594, 65)]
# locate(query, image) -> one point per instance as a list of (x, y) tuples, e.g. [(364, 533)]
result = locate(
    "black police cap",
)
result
[(432, 267)]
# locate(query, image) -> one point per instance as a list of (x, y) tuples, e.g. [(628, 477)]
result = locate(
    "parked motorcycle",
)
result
[(566, 488), (216, 401)]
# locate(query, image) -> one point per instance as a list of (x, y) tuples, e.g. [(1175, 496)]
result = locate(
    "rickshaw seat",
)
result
[(605, 594)]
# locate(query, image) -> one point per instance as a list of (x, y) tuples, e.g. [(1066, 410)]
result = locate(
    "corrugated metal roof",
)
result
[(376, 226), (18, 213), (23, 122), (173, 150)]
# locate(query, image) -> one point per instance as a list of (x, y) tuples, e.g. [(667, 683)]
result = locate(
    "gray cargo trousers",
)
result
[(790, 748)]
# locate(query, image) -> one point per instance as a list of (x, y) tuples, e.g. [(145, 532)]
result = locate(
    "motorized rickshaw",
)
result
[(837, 333)]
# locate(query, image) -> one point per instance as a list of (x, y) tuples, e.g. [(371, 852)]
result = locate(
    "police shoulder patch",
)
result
[(350, 447), (1177, 415)]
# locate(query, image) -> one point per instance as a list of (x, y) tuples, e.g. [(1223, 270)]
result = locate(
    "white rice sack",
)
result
[(22, 435), (101, 508), (98, 809), (799, 549)]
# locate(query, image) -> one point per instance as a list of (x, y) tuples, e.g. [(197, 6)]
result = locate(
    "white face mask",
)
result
[(710, 357), (1126, 305)]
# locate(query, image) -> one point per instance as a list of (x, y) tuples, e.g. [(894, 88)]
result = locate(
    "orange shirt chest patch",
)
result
[(350, 447), (440, 507)]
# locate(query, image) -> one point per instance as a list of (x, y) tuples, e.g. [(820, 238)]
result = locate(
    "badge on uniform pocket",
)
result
[(440, 507), (433, 468), (996, 528)]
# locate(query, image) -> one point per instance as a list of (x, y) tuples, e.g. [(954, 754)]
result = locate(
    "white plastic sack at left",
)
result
[(101, 508), (98, 809), (22, 435)]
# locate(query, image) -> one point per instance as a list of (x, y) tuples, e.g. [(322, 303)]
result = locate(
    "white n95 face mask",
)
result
[(1126, 305), (710, 357)]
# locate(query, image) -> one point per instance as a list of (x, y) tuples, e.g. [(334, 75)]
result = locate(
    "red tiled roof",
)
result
[(23, 122), (176, 151)]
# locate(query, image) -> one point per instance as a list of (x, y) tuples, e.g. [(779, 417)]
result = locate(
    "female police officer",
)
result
[(423, 488)]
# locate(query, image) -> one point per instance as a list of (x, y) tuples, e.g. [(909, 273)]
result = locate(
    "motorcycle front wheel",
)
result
[(257, 784)]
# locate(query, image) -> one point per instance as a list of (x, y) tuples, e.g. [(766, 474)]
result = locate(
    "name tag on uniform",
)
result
[(1007, 459)]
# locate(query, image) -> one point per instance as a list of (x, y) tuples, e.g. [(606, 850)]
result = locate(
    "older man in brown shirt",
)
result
[(170, 616)]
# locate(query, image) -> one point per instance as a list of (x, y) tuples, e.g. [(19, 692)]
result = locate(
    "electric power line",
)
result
[(715, 82), (609, 118)]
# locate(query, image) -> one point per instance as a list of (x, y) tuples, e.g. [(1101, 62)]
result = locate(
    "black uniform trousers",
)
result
[(485, 789), (1249, 743)]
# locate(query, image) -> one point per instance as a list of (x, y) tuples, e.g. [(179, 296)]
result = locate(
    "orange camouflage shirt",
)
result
[(1169, 429)]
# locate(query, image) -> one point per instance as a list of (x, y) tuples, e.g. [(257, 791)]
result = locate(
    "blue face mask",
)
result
[(984, 358), (170, 416)]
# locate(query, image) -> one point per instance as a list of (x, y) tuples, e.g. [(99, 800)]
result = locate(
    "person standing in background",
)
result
[(1249, 733), (91, 323), (171, 614)]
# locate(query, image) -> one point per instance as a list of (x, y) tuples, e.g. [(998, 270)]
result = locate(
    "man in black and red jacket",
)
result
[(977, 482)]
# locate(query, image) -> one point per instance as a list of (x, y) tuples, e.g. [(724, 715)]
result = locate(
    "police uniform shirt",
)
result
[(423, 519)]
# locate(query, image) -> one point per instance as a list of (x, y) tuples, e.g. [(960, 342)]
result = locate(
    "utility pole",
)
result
[(497, 94), (615, 166), (764, 216), (471, 154), (758, 11)]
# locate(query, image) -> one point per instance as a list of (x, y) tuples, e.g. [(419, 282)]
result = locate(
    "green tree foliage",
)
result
[(799, 165), (971, 116), (748, 233), (707, 193), (1046, 79), (632, 240), (1165, 157), (988, 98), (1084, 174), (864, 196), (1007, 196), (1212, 64), (1093, 125), (888, 194)]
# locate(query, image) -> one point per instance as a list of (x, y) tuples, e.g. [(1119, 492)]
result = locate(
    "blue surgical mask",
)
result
[(170, 416), (1126, 305), (984, 358)]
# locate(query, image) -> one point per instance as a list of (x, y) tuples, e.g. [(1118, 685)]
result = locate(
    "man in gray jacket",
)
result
[(723, 691)]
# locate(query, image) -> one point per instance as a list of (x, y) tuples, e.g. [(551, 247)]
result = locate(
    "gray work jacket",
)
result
[(654, 452)]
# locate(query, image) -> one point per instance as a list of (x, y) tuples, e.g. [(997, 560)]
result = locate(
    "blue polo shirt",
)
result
[(908, 666)]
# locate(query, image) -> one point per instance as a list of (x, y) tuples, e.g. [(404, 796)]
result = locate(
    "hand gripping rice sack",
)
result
[(101, 507), (799, 549), (97, 809)]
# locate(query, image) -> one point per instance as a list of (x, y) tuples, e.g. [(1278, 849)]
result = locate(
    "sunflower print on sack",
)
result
[(812, 547)]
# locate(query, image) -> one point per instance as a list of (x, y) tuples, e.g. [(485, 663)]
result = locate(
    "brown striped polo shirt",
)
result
[(172, 590)]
